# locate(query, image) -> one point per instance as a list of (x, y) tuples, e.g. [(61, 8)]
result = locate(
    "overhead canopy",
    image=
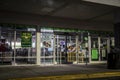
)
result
[(20, 26), (107, 2), (54, 29), (67, 13)]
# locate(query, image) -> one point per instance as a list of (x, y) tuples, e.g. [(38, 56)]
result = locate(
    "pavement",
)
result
[(59, 72)]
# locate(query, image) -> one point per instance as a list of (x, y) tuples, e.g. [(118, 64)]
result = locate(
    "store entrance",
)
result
[(65, 48)]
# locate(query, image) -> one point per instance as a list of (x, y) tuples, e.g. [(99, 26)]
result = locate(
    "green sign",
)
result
[(94, 54), (26, 39)]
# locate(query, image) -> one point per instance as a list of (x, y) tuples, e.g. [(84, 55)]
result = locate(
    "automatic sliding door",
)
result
[(71, 49), (65, 49), (60, 47)]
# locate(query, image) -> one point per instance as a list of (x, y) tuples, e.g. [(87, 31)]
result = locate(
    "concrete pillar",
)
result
[(108, 45), (0, 32), (38, 47), (114, 56), (99, 48), (14, 57), (77, 47), (117, 34), (54, 56), (66, 55), (117, 27), (89, 47)]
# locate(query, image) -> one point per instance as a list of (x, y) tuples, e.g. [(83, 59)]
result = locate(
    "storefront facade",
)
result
[(35, 45)]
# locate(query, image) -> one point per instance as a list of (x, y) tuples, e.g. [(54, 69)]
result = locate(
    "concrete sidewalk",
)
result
[(53, 71)]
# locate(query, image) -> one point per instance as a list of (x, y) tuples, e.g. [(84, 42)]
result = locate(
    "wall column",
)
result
[(38, 47), (117, 27), (89, 47), (114, 56), (117, 34)]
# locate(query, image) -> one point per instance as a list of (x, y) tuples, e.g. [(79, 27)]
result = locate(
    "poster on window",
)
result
[(95, 54), (47, 44), (26, 39)]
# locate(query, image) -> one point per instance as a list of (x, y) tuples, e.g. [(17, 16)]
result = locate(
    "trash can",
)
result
[(113, 61)]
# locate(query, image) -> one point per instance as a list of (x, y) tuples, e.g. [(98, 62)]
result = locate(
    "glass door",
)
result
[(60, 49), (71, 49), (47, 48), (83, 52), (104, 48), (65, 49)]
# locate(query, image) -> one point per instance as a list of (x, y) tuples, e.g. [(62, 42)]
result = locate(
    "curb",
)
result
[(77, 76)]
